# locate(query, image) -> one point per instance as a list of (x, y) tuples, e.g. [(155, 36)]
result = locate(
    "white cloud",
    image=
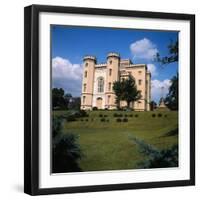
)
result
[(152, 69), (159, 88), (63, 68), (144, 49), (67, 75)]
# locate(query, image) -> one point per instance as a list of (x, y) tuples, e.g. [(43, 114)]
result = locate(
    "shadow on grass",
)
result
[(173, 132)]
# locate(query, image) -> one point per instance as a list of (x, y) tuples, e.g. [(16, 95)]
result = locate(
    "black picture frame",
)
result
[(31, 98)]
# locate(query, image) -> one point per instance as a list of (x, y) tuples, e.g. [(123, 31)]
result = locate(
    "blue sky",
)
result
[(70, 44)]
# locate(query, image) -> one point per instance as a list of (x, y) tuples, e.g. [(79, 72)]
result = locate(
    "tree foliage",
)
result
[(172, 97), (66, 150), (75, 103), (172, 54), (58, 100), (153, 105), (155, 158), (126, 90)]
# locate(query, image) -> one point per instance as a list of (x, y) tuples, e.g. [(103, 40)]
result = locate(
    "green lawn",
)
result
[(108, 145)]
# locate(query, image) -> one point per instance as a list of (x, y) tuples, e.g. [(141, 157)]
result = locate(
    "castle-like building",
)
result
[(98, 79)]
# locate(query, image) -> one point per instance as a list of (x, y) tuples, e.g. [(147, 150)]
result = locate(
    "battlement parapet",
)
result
[(100, 65), (89, 58), (113, 54)]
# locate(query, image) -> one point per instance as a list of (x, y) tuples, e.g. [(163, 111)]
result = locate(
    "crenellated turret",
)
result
[(113, 54), (87, 83), (112, 75), (86, 58)]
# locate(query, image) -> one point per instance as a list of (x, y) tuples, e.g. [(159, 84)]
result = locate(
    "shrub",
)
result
[(83, 113), (156, 158), (57, 125), (64, 116), (106, 109), (165, 115), (76, 114), (115, 115), (103, 119), (66, 153), (130, 115), (125, 120), (159, 115), (136, 115), (108, 120), (100, 115), (125, 115), (66, 150), (94, 108), (71, 118), (86, 120), (118, 120), (153, 115)]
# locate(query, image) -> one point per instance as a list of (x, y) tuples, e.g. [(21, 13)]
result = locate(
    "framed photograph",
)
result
[(109, 100)]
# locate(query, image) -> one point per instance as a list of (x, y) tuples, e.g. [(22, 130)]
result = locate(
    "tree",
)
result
[(74, 103), (66, 150), (153, 105), (58, 98), (171, 100), (67, 98), (172, 97), (172, 54), (118, 89), (126, 90)]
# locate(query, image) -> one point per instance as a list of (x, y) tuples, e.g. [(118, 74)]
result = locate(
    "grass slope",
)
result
[(107, 145)]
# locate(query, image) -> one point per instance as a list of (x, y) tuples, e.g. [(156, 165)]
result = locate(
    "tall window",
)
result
[(110, 72), (84, 99), (108, 99), (85, 74), (100, 84), (109, 86), (140, 93), (110, 62), (139, 82), (84, 87), (139, 72), (86, 64)]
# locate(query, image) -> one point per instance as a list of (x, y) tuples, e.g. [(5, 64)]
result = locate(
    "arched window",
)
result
[(100, 84)]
